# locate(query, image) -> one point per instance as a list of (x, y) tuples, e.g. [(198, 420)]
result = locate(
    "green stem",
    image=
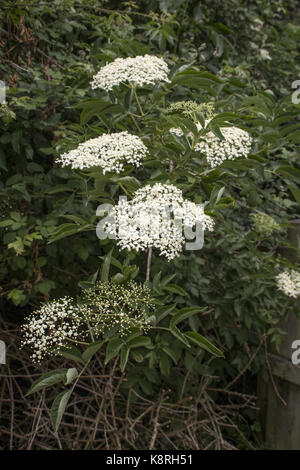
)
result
[(189, 154), (149, 264), (78, 342), (134, 121), (159, 328), (80, 374), (125, 191), (138, 101)]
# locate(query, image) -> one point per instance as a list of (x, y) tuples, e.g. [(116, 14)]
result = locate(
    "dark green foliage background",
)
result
[(49, 51)]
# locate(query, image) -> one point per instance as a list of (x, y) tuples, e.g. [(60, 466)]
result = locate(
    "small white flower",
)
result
[(109, 151), (121, 307), (155, 218), (265, 54), (104, 306), (53, 326), (179, 132), (289, 283), (237, 144), (137, 71)]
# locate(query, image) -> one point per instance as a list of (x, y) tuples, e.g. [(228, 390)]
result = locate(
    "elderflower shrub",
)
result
[(118, 308), (109, 151), (237, 143), (264, 223), (289, 283), (154, 218), (136, 71), (56, 324)]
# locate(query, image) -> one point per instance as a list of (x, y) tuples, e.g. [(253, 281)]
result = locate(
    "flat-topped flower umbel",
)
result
[(55, 325), (237, 144), (61, 323), (109, 151), (135, 71), (155, 218), (264, 224), (289, 283), (120, 307)]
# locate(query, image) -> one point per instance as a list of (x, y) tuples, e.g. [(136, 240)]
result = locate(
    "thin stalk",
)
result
[(149, 264), (134, 121), (77, 342), (159, 328), (189, 154), (138, 101), (80, 374), (125, 191)]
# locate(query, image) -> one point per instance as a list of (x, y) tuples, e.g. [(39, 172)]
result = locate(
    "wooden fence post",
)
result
[(281, 422)]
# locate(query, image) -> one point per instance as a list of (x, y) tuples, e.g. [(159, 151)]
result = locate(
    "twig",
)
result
[(271, 375), (37, 49), (246, 366)]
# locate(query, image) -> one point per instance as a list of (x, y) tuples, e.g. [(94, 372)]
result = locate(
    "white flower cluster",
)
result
[(177, 131), (190, 109), (109, 151), (53, 326), (289, 283), (105, 307), (237, 143), (264, 223), (118, 308), (155, 218), (137, 71)]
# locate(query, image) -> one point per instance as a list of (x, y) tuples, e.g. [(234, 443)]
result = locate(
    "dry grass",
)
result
[(101, 415)]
